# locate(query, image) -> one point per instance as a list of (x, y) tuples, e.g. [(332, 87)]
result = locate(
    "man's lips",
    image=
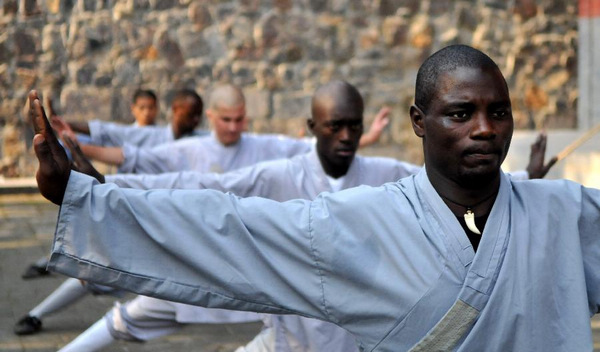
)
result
[(344, 152)]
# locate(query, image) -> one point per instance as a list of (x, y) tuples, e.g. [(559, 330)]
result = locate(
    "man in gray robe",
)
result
[(393, 264), (337, 125)]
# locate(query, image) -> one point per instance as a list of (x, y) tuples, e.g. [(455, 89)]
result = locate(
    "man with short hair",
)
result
[(393, 264), (337, 124)]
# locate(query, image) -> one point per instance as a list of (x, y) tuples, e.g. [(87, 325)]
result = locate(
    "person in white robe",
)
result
[(186, 108), (186, 115), (226, 148), (393, 264)]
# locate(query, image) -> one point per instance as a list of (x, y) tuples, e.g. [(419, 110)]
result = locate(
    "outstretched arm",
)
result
[(536, 167), (54, 168), (377, 126), (107, 155)]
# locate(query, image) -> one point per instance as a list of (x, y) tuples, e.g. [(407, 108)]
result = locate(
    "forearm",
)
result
[(108, 155), (80, 127), (367, 139)]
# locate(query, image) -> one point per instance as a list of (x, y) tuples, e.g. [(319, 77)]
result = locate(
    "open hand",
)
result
[(80, 162), (536, 167), (54, 168), (379, 123)]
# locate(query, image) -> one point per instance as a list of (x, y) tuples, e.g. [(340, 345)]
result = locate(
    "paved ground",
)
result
[(26, 228)]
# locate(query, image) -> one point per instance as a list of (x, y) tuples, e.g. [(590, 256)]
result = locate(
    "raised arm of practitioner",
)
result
[(144, 109)]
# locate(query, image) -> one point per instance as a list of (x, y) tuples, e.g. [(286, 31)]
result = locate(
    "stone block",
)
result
[(394, 31), (30, 8), (162, 4), (440, 7), (168, 49), (199, 15), (266, 77), (52, 40), (390, 7), (243, 73), (468, 17), (126, 71), (153, 72), (123, 10), (25, 78), (86, 103), (291, 105), (318, 5), (258, 103), (421, 32), (192, 43), (87, 5), (82, 72), (526, 9), (266, 30), (536, 98), (10, 7), (222, 72), (6, 50), (24, 43)]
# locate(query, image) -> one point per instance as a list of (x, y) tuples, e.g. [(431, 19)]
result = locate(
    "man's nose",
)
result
[(233, 126), (483, 126), (344, 133)]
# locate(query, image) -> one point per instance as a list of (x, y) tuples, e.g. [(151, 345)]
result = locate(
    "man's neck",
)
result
[(334, 171), (479, 198)]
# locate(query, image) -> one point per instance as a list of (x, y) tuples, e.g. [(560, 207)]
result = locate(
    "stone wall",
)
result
[(89, 56)]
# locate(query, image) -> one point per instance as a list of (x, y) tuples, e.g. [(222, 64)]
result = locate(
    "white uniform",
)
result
[(281, 180), (385, 263), (207, 154), (110, 134)]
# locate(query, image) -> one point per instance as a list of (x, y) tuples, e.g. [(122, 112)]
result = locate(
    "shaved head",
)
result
[(336, 94), (337, 123), (226, 96), (443, 61)]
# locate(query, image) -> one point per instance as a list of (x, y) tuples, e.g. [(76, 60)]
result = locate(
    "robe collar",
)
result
[(482, 267), (351, 179)]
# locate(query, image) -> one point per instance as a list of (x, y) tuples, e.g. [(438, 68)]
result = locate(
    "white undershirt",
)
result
[(336, 183)]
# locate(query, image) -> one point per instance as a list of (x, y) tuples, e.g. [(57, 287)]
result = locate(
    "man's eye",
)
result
[(500, 113), (459, 115), (356, 126)]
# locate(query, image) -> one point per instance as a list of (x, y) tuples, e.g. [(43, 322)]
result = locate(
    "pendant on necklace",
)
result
[(470, 221)]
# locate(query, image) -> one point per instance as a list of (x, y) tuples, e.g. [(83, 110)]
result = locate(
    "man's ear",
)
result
[(416, 119), (210, 115), (310, 123)]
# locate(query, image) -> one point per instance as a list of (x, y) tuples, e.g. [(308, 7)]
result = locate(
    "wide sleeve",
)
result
[(167, 157), (263, 179), (199, 247), (98, 133)]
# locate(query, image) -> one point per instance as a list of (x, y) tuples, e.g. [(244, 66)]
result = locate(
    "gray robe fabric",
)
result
[(110, 134), (207, 154), (281, 180), (385, 263)]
